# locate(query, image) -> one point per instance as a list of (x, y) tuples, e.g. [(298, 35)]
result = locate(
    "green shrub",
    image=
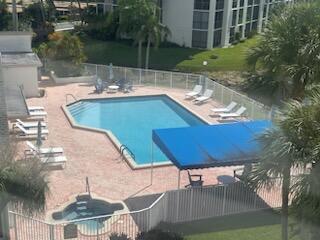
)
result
[(158, 235), (121, 236)]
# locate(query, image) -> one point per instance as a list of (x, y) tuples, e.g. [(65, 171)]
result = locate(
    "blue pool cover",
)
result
[(211, 145)]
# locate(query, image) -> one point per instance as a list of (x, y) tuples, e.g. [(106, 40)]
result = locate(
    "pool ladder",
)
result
[(123, 147), (70, 95)]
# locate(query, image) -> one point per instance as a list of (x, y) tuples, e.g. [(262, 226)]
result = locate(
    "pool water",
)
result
[(132, 119)]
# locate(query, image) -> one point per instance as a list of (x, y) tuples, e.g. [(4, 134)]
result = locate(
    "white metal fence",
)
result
[(166, 79), (173, 206)]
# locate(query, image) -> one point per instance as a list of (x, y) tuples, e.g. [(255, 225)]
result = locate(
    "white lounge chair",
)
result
[(44, 151), (205, 97), (235, 114), (54, 160), (37, 113), (35, 108), (227, 109), (33, 124), (195, 92), (31, 132)]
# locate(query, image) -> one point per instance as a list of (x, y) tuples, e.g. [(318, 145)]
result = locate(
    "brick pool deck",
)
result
[(92, 154)]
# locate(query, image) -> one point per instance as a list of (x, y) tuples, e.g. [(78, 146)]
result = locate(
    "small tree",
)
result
[(4, 15), (22, 183)]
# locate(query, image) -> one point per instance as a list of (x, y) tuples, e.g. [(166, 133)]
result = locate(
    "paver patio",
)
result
[(93, 155)]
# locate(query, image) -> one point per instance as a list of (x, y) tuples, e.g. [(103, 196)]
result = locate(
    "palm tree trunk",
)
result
[(4, 128), (285, 203), (139, 53), (148, 53), (42, 12), (14, 15), (80, 12)]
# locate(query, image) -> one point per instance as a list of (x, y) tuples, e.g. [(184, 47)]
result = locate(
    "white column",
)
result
[(210, 23), (227, 14), (260, 17)]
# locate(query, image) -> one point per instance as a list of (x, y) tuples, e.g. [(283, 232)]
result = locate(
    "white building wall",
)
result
[(15, 42), (27, 76), (178, 17)]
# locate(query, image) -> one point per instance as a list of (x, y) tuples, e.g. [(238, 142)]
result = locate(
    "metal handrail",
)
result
[(24, 99), (123, 147), (71, 95)]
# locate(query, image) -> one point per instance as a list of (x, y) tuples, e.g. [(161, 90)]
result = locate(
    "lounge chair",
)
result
[(235, 114), (37, 113), (53, 160), (205, 97), (44, 151), (33, 124), (35, 108), (195, 92), (194, 183), (227, 109), (30, 132)]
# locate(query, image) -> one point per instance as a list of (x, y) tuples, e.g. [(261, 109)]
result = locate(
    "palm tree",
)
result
[(132, 17), (288, 49), (293, 142), (154, 32)]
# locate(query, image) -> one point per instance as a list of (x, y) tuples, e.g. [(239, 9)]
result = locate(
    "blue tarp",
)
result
[(211, 145)]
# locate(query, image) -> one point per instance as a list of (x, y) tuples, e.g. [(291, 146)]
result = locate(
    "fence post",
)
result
[(171, 80), (149, 219), (187, 81), (155, 79), (51, 232), (15, 227), (96, 70), (191, 205), (140, 76), (125, 74), (224, 199)]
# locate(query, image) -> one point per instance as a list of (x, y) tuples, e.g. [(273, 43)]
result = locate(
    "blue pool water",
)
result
[(132, 119)]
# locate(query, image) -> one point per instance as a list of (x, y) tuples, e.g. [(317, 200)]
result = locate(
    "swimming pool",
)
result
[(132, 119)]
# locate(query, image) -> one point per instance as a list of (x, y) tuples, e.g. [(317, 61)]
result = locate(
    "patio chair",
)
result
[(99, 86), (194, 183), (35, 108), (195, 92), (242, 173), (235, 114), (43, 151), (205, 97), (227, 109), (33, 124), (30, 132)]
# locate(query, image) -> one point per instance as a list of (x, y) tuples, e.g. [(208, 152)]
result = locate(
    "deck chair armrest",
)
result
[(197, 175)]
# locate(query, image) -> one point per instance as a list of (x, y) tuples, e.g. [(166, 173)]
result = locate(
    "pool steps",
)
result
[(80, 107)]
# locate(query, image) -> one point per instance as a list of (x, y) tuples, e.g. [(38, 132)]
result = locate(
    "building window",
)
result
[(250, 2), (232, 32), (218, 19), (199, 39), (240, 19), (202, 4), (256, 2), (247, 30), (255, 13), (241, 3), (249, 13), (200, 20), (234, 17), (254, 26), (219, 4), (217, 38), (265, 11), (234, 3)]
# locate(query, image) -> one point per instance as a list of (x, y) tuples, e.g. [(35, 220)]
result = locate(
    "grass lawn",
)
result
[(170, 58), (262, 225)]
